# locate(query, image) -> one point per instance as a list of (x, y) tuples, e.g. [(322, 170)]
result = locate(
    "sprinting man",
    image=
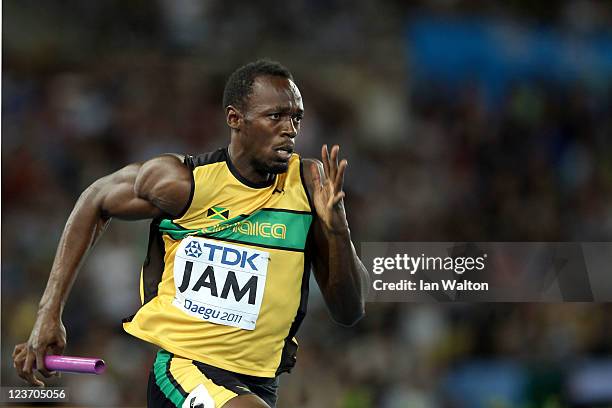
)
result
[(233, 236)]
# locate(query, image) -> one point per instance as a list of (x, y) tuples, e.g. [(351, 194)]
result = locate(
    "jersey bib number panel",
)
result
[(220, 282)]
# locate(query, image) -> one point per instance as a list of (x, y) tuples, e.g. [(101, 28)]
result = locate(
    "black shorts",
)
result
[(174, 380)]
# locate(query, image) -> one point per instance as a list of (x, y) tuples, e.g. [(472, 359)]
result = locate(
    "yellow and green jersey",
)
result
[(226, 283)]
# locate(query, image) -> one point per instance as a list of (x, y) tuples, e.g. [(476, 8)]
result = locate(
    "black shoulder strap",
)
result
[(202, 159)]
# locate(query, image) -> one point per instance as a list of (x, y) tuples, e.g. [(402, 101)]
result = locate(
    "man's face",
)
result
[(272, 119)]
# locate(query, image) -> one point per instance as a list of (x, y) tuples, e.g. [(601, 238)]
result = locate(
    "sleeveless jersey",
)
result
[(226, 283)]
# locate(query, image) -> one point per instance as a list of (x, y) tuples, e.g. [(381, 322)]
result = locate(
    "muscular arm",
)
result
[(337, 268), (138, 191)]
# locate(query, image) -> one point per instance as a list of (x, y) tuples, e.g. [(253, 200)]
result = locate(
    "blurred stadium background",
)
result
[(462, 120)]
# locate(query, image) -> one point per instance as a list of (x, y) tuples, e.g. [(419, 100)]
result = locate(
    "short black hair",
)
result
[(239, 85)]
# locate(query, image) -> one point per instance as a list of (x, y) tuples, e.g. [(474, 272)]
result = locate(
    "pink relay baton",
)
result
[(68, 364)]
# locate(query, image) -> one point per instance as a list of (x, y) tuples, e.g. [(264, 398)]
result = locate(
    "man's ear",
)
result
[(233, 117)]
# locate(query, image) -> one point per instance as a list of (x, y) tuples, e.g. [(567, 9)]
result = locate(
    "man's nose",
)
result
[(290, 127)]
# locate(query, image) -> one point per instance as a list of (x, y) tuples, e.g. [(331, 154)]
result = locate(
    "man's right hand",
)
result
[(48, 337)]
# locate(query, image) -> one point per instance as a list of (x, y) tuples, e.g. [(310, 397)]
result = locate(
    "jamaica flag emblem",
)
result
[(217, 213)]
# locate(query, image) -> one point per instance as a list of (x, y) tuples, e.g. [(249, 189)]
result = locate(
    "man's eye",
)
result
[(298, 118), (275, 116)]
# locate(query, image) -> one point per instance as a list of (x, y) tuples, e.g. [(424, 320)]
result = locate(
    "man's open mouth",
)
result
[(284, 152)]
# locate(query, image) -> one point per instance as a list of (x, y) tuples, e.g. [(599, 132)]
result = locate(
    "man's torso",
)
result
[(226, 283)]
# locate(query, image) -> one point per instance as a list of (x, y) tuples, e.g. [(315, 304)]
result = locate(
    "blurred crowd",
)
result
[(88, 87)]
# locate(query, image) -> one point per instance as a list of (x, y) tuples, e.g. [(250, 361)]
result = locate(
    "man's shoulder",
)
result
[(164, 166)]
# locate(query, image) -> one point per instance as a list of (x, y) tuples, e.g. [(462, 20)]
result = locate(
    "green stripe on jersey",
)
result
[(160, 368), (267, 227)]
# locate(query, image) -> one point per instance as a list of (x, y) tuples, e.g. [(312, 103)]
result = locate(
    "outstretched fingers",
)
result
[(331, 166), (334, 173)]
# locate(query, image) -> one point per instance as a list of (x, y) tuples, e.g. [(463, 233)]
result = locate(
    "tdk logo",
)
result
[(193, 249), (229, 256)]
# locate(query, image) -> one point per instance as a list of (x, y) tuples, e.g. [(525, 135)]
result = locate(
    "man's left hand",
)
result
[(327, 193)]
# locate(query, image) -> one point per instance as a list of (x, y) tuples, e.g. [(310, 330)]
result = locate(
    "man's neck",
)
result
[(243, 164)]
